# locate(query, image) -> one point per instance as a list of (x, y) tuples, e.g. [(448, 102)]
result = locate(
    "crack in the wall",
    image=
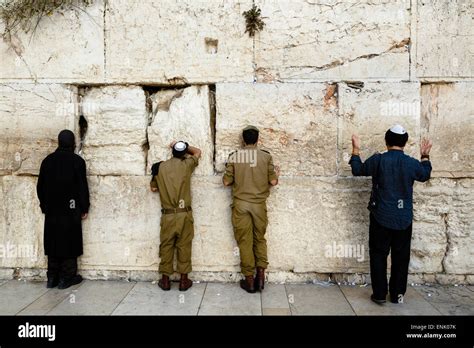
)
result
[(445, 218), (339, 62), (213, 110), (105, 38)]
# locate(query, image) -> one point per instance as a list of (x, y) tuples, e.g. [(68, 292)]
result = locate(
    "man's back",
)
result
[(250, 170), (174, 182), (393, 174), (62, 183)]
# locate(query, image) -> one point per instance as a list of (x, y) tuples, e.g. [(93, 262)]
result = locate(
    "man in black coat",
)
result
[(64, 199)]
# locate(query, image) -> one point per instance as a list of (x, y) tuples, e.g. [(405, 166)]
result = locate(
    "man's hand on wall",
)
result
[(355, 145), (425, 147)]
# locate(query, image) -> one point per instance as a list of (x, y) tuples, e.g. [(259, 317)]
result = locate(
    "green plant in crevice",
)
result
[(254, 22), (26, 15)]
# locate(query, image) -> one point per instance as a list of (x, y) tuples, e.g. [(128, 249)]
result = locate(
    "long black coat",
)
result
[(64, 195)]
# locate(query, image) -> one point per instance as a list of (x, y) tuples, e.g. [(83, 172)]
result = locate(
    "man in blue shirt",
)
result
[(391, 209)]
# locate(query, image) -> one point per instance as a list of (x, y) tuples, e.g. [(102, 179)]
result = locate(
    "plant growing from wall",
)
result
[(254, 22), (26, 15)]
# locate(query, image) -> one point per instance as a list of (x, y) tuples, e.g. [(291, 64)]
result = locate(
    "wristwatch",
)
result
[(425, 157)]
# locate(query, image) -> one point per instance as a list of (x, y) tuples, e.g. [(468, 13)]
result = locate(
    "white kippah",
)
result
[(180, 146), (397, 129)]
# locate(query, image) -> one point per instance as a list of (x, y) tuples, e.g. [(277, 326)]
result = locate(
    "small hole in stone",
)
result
[(211, 45)]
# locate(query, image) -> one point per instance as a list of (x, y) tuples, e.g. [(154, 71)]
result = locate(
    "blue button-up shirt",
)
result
[(393, 174)]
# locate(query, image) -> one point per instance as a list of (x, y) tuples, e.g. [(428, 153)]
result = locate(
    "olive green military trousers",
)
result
[(250, 224), (177, 232)]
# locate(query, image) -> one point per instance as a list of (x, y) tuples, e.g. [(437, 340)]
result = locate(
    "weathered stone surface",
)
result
[(119, 237), (445, 38), (297, 124), (21, 223), (116, 130), (301, 212), (122, 230), (182, 114), (31, 116), (443, 229), (188, 40), (66, 47), (318, 225), (447, 119), (316, 40), (372, 109)]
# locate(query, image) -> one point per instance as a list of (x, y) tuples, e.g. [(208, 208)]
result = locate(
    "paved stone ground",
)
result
[(144, 298)]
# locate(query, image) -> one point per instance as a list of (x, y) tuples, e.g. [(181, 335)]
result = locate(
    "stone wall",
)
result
[(130, 76)]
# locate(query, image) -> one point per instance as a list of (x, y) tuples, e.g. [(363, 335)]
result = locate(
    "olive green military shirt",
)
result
[(174, 181), (250, 171)]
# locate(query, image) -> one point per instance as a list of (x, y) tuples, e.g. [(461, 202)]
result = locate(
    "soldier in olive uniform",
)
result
[(172, 179), (250, 172)]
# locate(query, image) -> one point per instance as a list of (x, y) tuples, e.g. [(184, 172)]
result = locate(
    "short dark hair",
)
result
[(394, 139), (250, 136), (178, 154)]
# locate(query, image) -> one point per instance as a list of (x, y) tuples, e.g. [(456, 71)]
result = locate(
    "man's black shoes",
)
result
[(52, 282), (376, 300), (66, 283)]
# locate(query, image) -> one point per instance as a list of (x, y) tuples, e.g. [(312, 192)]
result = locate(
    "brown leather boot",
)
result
[(164, 283), (248, 284), (185, 283), (260, 279)]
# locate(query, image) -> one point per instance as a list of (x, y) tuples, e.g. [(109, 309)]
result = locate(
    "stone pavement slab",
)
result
[(275, 300), (17, 294), (229, 299), (145, 298), (359, 298), (310, 299), (149, 299), (49, 300), (94, 298), (453, 300)]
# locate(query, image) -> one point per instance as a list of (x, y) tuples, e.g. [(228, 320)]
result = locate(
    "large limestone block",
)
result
[(66, 47), (214, 246), (182, 114), (297, 124), (445, 38), (122, 230), (319, 225), (447, 117), (443, 232), (116, 130), (21, 223), (325, 40), (372, 109), (186, 40), (31, 116)]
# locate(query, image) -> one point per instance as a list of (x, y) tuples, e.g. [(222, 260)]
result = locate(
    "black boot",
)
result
[(378, 301), (66, 283), (52, 282)]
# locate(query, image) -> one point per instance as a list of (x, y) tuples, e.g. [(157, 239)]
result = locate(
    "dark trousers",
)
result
[(383, 240), (61, 267)]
